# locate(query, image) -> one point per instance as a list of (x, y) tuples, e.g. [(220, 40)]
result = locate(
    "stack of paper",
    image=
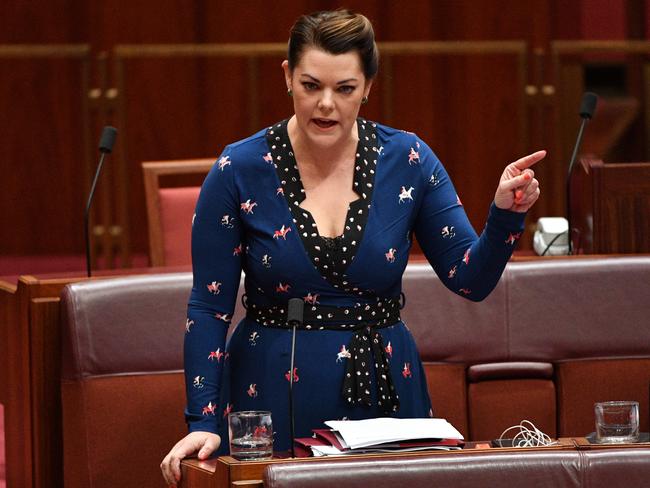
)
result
[(380, 435)]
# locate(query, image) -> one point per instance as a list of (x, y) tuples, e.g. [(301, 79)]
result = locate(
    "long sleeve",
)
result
[(468, 265), (216, 263)]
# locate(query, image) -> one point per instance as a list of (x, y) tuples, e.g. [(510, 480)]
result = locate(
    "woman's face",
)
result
[(327, 92)]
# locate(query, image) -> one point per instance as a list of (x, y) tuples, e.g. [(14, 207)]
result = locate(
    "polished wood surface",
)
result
[(472, 108), (33, 399), (7, 315), (448, 130), (23, 388), (611, 203), (227, 472), (618, 117), (44, 135), (46, 392)]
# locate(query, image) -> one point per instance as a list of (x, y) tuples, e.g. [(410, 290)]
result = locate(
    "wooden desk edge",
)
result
[(582, 443), (227, 471)]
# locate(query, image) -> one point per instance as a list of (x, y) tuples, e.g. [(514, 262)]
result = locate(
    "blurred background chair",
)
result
[(122, 385), (171, 191)]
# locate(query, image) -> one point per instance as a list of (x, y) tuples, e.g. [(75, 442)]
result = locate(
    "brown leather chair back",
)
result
[(590, 318), (606, 468), (553, 337), (122, 385), (532, 469)]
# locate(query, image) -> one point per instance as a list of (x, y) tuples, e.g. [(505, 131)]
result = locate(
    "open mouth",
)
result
[(324, 123)]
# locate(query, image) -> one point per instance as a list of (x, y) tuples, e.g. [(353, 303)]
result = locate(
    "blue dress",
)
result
[(248, 217)]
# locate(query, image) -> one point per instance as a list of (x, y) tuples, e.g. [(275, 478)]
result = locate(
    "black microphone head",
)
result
[(588, 105), (108, 139), (295, 311)]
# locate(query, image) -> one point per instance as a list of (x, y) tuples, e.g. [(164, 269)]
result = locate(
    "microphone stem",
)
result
[(87, 212), (291, 426), (568, 183)]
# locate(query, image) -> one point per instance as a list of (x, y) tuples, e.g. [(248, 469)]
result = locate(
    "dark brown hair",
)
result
[(335, 32)]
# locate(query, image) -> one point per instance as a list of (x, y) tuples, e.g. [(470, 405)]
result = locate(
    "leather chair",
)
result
[(122, 385), (171, 191), (531, 469), (598, 468), (555, 336), (588, 317), (616, 467)]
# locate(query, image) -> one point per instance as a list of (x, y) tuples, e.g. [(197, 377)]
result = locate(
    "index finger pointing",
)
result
[(528, 161)]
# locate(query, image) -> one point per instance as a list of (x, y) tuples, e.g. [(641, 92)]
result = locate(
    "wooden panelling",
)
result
[(474, 148), (475, 126), (199, 102), (28, 389), (44, 132), (8, 319), (187, 108), (569, 58), (54, 21), (46, 393)]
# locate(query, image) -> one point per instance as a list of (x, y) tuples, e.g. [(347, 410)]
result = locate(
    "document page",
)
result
[(364, 433)]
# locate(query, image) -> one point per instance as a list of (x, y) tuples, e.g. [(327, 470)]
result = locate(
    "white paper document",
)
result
[(319, 451), (364, 433)]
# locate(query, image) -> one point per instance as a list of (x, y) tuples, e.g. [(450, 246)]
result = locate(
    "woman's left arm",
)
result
[(467, 264)]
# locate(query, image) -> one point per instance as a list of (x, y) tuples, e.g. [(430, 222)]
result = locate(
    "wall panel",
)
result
[(189, 108), (44, 151)]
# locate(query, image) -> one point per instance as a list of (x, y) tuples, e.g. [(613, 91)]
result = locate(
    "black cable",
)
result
[(87, 212), (552, 241), (292, 426)]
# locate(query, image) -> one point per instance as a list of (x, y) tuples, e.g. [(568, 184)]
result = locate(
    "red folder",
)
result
[(326, 437)]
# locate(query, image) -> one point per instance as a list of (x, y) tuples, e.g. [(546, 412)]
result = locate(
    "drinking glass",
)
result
[(617, 422), (251, 435)]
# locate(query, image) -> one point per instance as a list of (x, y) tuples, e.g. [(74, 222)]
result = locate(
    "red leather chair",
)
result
[(171, 191)]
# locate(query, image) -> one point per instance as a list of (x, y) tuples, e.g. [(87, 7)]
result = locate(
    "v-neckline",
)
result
[(331, 261)]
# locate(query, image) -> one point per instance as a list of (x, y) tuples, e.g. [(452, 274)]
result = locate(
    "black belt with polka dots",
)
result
[(365, 319)]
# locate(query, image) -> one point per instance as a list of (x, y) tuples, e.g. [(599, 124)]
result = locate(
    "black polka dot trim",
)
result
[(366, 346), (331, 256)]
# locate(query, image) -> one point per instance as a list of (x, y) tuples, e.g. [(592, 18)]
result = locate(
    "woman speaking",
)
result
[(323, 206)]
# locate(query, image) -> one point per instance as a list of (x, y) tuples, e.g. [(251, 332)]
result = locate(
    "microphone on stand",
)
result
[(105, 146), (295, 313), (587, 107)]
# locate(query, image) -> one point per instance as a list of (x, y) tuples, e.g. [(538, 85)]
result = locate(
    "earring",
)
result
[(289, 92), (364, 100)]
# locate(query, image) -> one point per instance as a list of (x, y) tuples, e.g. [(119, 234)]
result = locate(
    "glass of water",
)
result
[(617, 422), (251, 435)]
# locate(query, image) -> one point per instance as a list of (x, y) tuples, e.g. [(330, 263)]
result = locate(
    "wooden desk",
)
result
[(227, 472), (30, 333), (610, 204)]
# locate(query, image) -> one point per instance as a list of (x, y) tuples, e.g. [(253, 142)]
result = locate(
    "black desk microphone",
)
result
[(295, 313), (105, 146), (587, 108)]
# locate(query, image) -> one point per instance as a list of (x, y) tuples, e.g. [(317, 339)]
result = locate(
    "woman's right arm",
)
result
[(216, 264)]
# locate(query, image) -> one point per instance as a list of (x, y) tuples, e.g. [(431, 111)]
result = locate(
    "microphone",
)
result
[(587, 108), (108, 139), (106, 143), (295, 313)]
